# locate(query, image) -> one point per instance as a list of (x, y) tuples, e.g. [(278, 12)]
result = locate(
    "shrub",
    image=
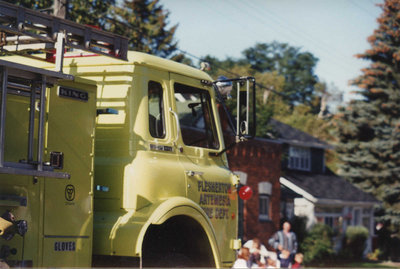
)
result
[(354, 241), (317, 244)]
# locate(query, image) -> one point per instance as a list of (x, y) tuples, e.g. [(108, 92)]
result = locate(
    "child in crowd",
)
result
[(298, 261), (260, 257), (243, 259)]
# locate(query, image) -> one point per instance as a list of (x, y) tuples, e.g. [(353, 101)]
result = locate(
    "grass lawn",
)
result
[(370, 265), (361, 264)]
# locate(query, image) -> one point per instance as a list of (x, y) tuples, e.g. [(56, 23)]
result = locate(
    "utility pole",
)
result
[(60, 8)]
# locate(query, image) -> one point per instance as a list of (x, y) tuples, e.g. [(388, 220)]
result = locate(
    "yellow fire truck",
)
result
[(116, 158)]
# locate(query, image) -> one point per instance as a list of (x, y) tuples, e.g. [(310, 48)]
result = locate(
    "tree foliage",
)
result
[(80, 11), (295, 66), (40, 4), (145, 23), (222, 67), (285, 77), (90, 12), (369, 129)]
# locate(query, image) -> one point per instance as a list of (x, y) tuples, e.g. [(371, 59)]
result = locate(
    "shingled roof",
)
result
[(327, 186), (293, 136)]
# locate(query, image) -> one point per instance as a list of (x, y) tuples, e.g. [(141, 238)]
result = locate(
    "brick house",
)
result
[(257, 162)]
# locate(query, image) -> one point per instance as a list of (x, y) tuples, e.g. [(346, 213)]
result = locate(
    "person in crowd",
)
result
[(255, 261), (243, 259), (260, 257), (298, 261), (285, 244)]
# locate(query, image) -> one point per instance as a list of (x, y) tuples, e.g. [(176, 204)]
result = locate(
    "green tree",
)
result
[(222, 67), (90, 12), (269, 101), (145, 22), (369, 129), (297, 67), (80, 11), (41, 4), (306, 118)]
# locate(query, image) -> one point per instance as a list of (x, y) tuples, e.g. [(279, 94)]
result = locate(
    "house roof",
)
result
[(293, 136), (326, 186), (287, 193)]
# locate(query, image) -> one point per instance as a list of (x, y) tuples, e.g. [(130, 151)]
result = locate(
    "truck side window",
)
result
[(156, 110), (196, 117)]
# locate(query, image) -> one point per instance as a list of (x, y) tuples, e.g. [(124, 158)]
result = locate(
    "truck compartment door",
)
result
[(68, 208)]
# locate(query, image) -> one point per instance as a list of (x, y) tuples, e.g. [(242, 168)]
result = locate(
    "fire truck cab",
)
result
[(115, 161)]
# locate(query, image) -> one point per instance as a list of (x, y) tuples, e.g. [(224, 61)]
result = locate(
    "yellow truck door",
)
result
[(208, 181)]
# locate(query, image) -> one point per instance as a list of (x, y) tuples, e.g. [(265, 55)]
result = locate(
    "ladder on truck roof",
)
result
[(24, 31), (31, 82)]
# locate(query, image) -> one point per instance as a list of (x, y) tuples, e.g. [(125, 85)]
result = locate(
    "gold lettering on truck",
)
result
[(214, 198)]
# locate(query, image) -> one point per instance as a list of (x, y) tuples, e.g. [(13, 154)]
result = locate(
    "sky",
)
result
[(332, 30)]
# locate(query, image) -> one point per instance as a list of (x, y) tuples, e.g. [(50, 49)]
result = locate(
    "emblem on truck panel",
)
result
[(70, 193), (161, 148), (73, 94)]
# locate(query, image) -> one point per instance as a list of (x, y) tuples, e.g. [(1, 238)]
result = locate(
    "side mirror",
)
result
[(238, 96)]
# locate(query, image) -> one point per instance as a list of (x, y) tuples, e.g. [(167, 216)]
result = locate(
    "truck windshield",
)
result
[(196, 117)]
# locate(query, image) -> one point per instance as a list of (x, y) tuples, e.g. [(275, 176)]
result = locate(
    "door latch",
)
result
[(194, 173)]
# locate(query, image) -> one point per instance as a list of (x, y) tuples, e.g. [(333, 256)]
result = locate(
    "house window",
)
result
[(329, 221), (299, 158), (264, 207), (265, 191)]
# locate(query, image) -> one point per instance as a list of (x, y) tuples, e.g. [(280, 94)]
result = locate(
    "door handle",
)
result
[(193, 173)]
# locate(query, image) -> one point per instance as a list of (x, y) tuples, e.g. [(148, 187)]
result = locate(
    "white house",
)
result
[(309, 189)]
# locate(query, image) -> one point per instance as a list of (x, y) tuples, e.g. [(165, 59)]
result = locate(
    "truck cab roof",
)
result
[(84, 59)]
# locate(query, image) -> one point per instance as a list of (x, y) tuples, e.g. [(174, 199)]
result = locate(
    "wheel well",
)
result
[(179, 236)]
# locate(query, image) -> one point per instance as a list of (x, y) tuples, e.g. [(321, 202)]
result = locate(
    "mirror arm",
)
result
[(238, 132), (254, 110)]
